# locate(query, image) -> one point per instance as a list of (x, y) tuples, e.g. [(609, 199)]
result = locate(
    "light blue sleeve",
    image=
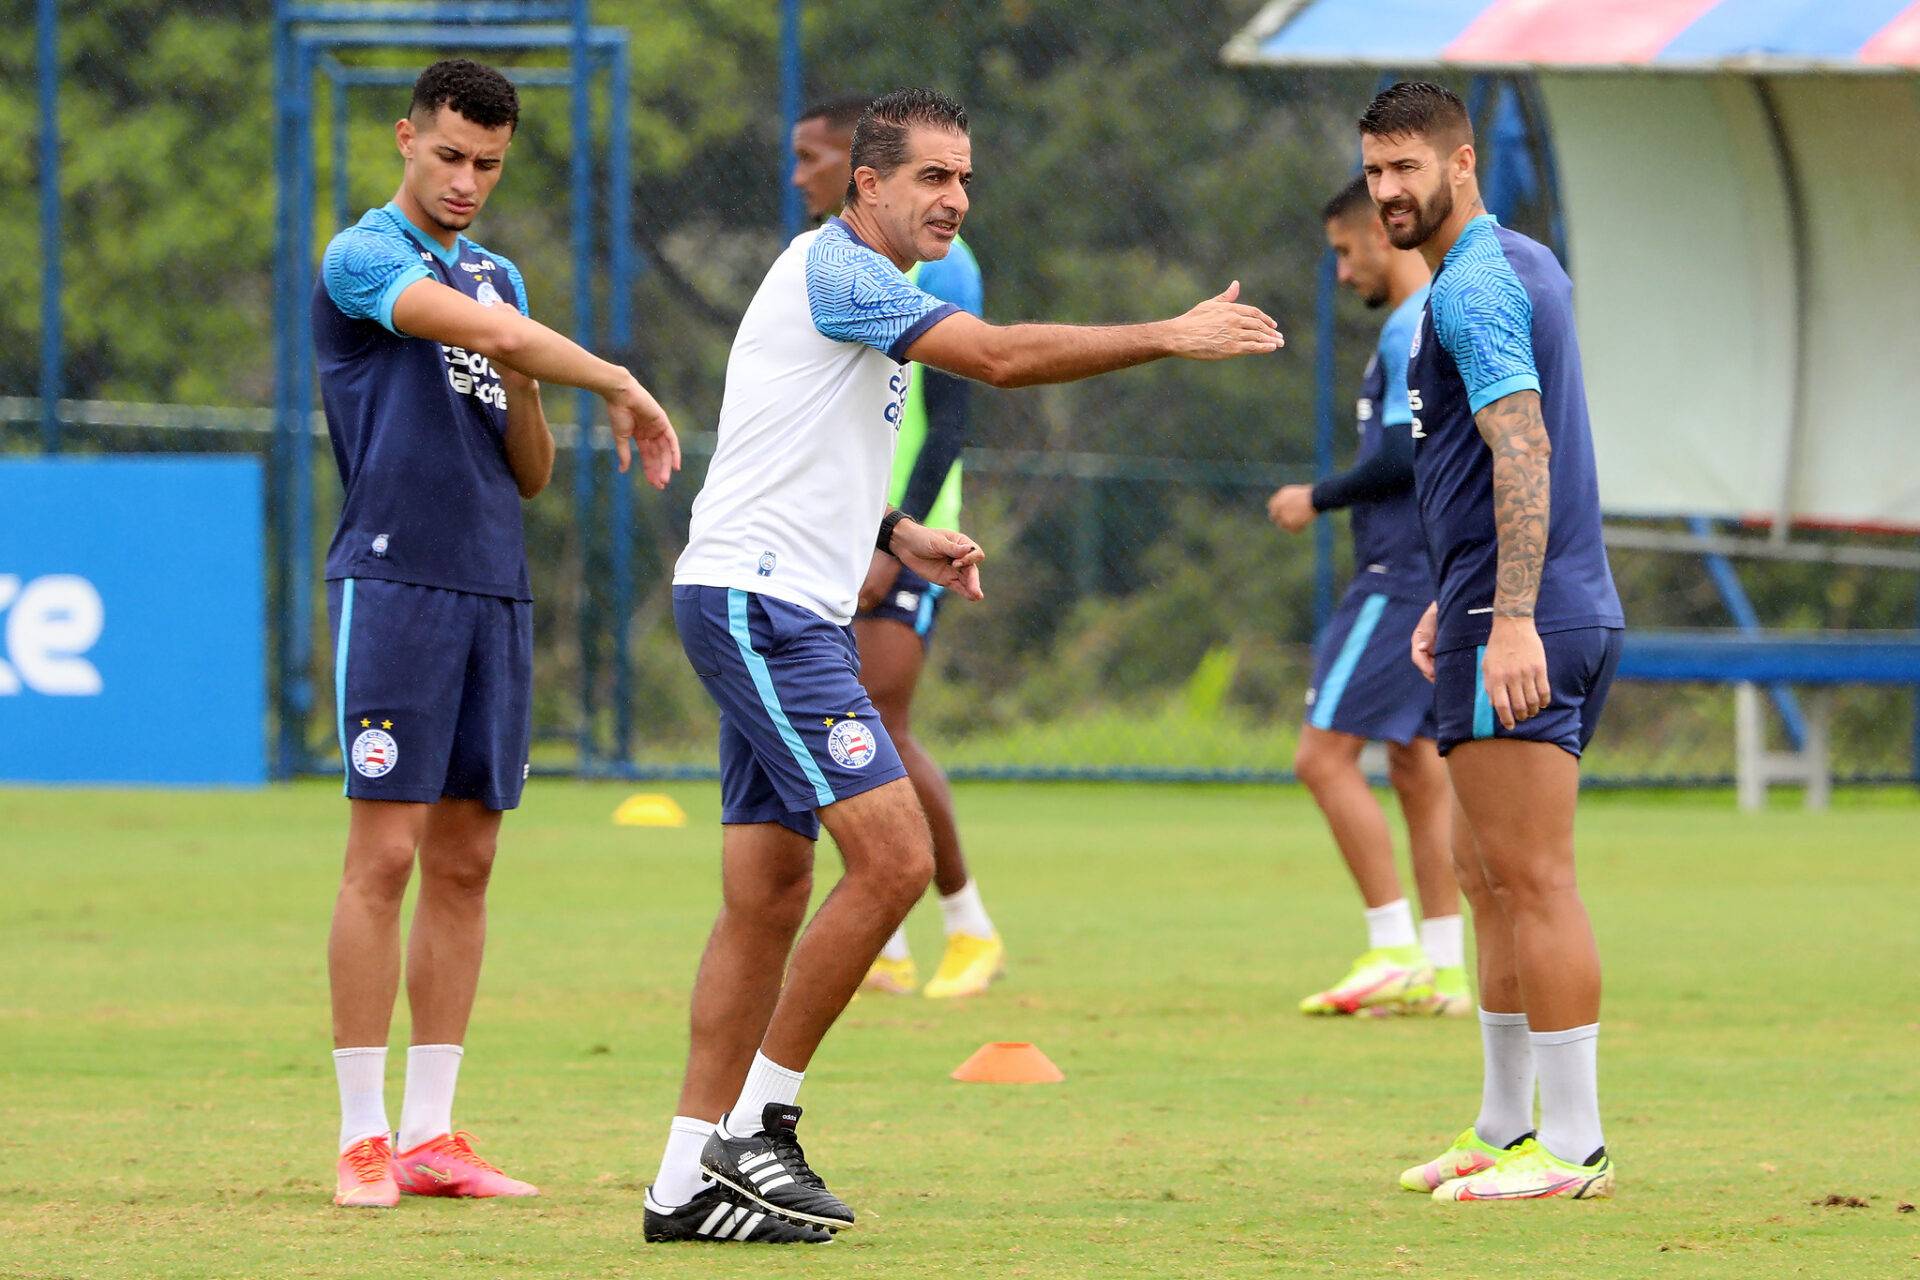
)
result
[(1484, 318), (365, 272), (513, 276), (855, 295), (956, 279), (1396, 344)]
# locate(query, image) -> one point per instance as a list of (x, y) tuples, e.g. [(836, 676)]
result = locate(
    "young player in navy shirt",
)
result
[(1365, 686), (1521, 642), (430, 374)]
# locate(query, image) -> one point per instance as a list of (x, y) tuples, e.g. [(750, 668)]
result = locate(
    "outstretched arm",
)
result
[(1516, 663), (1024, 355)]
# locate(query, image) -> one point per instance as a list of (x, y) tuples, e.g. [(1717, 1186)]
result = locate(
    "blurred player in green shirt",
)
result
[(898, 608)]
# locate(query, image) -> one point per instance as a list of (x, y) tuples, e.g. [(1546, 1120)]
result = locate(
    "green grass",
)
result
[(167, 1104)]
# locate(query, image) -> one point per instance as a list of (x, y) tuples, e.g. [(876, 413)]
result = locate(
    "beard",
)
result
[(1375, 300), (1427, 219)]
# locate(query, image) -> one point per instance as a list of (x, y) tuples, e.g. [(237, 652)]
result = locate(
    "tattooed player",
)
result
[(1521, 643)]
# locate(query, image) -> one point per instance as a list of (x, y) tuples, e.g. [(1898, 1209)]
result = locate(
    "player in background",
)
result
[(1365, 686), (782, 537), (1521, 642), (430, 372), (898, 608)]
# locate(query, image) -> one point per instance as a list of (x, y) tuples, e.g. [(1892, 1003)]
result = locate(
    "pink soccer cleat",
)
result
[(447, 1166), (364, 1177)]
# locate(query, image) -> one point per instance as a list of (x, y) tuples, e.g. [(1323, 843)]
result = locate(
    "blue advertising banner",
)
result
[(132, 621)]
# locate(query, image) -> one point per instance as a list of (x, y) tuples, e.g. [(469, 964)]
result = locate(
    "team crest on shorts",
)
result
[(851, 744), (375, 753)]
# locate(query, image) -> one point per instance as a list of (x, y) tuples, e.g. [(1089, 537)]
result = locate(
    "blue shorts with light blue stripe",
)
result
[(797, 731), (1364, 680), (1580, 667), (911, 601)]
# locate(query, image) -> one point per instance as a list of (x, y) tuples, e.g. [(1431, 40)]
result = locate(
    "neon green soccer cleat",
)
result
[(1530, 1172), (1446, 996), (1380, 979), (1467, 1156)]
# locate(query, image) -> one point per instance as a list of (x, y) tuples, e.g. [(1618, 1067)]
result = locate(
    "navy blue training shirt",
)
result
[(418, 429), (1499, 319), (1389, 550)]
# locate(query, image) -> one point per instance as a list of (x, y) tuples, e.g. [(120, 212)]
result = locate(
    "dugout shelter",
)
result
[(1737, 198)]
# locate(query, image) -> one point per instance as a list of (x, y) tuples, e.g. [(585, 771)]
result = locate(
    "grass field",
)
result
[(167, 1104)]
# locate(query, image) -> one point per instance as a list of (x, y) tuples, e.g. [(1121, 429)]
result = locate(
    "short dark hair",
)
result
[(841, 113), (1354, 198), (473, 89), (880, 139), (1414, 108)]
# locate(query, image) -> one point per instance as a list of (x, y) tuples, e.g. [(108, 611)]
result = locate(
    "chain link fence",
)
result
[(1142, 619)]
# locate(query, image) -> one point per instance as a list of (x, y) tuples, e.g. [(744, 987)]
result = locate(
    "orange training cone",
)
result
[(1008, 1062)]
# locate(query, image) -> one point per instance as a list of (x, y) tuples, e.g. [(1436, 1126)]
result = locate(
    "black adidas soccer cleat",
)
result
[(769, 1171), (718, 1216)]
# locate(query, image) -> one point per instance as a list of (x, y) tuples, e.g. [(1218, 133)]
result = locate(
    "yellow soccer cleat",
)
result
[(969, 967), (1446, 996), (1381, 980), (892, 977), (1530, 1172), (1467, 1156)]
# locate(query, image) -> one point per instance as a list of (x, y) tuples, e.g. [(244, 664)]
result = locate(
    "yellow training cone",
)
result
[(649, 810), (1008, 1062)]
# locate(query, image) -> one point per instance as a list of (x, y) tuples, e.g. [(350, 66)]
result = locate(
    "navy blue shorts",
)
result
[(911, 601), (1580, 667), (797, 732), (1364, 680), (434, 692)]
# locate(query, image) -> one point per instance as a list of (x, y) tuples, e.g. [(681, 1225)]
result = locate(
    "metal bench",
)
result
[(1749, 660)]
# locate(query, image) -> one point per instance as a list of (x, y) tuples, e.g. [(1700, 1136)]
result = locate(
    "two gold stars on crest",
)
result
[(368, 724)]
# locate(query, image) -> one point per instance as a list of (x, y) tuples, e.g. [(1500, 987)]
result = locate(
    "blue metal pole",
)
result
[(793, 214), (299, 562), (1324, 398), (52, 339), (1726, 581), (340, 98), (581, 70), (281, 466), (1916, 709), (619, 311)]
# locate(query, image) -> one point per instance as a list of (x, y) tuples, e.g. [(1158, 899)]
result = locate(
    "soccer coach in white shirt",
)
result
[(782, 536)]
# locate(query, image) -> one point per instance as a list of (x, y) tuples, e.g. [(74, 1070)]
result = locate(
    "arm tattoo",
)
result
[(1522, 495)]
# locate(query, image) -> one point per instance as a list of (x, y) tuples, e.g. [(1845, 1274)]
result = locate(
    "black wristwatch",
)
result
[(887, 522)]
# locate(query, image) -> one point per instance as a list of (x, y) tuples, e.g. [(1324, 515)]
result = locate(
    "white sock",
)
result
[(362, 1074), (963, 913), (1444, 939), (1569, 1091), (1390, 926), (426, 1109), (1506, 1090), (897, 948), (679, 1178), (767, 1081)]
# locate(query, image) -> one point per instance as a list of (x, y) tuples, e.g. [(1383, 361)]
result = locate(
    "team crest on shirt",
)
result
[(767, 561), (486, 295), (851, 744), (1414, 350), (375, 753)]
